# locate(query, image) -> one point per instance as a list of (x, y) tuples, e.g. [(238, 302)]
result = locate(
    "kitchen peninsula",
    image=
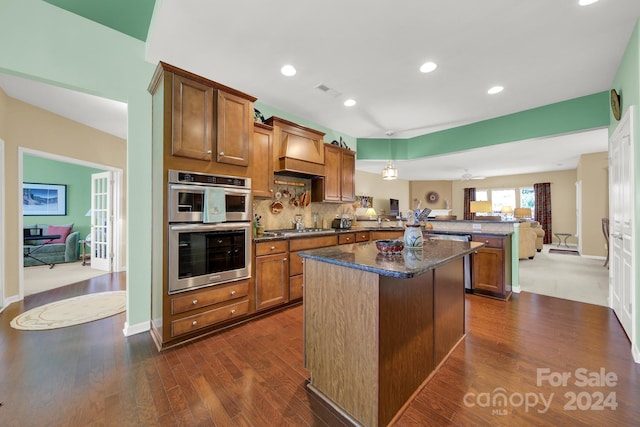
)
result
[(377, 326)]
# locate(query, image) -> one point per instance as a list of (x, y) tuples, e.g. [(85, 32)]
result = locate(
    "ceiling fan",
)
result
[(466, 176)]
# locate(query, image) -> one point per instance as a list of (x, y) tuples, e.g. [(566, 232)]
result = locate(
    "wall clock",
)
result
[(432, 197), (615, 104)]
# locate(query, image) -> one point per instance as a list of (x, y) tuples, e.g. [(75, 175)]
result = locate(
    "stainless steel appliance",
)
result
[(207, 254), (186, 195), (467, 258), (341, 223)]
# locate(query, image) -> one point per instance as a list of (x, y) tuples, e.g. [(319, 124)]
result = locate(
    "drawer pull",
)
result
[(233, 293), (348, 238), (194, 302), (208, 151), (233, 311), (194, 323), (284, 259), (273, 247), (222, 154)]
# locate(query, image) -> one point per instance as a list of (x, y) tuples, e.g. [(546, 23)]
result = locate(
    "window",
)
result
[(527, 198), (503, 197), (482, 195)]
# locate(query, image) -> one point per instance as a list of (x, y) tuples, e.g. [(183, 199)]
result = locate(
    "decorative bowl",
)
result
[(390, 246)]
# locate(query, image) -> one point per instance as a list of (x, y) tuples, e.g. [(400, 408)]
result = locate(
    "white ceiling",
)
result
[(542, 52)]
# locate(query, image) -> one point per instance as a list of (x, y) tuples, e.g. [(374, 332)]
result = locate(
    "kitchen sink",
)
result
[(293, 232)]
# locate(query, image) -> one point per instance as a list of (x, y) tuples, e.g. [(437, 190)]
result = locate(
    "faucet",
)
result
[(299, 225), (379, 221)]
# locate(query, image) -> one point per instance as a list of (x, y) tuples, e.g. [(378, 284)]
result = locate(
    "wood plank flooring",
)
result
[(252, 375)]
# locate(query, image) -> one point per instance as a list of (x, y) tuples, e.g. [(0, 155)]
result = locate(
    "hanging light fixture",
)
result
[(389, 172)]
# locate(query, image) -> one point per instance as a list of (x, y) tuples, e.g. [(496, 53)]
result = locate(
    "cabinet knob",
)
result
[(194, 323), (284, 259), (271, 190), (208, 151), (221, 154), (233, 311), (194, 302), (348, 238), (233, 292)]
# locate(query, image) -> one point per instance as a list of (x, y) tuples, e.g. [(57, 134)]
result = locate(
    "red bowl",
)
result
[(390, 246)]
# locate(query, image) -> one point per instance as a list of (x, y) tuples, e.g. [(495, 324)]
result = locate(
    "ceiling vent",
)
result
[(326, 89)]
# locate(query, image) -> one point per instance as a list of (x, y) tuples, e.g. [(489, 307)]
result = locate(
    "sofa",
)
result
[(58, 251), (530, 239)]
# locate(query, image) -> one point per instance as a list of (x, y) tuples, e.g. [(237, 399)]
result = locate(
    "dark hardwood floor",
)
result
[(252, 375)]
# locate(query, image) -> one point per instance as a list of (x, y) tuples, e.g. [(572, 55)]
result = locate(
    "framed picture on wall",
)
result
[(44, 199)]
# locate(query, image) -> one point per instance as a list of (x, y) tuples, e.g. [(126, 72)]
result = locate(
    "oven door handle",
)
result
[(210, 227)]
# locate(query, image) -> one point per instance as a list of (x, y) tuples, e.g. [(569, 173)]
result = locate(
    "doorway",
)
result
[(81, 201)]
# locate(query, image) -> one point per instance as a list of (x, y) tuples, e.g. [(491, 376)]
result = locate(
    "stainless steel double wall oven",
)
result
[(206, 254)]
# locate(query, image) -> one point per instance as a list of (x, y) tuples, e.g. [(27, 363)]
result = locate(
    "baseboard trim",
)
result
[(635, 352), (135, 329), (7, 302)]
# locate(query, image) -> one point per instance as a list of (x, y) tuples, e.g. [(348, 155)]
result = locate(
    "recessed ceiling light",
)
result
[(495, 89), (586, 2), (349, 102), (428, 67), (288, 70)]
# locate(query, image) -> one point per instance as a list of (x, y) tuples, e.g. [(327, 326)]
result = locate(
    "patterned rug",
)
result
[(72, 311)]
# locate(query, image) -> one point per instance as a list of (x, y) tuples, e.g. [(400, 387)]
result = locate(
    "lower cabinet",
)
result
[(385, 234), (492, 266), (296, 266), (196, 310), (271, 277)]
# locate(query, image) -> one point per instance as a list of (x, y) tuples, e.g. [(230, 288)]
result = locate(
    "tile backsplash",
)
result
[(285, 219)]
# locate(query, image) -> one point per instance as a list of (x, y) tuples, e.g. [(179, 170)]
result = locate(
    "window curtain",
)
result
[(543, 208), (469, 196)]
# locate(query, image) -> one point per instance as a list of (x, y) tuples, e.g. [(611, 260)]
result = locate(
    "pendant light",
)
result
[(389, 172)]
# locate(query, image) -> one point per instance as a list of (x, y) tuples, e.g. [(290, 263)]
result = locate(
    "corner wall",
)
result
[(593, 172)]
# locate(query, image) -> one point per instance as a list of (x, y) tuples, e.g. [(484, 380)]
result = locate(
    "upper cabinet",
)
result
[(338, 183), (235, 128), (261, 168), (192, 119), (201, 120), (297, 150)]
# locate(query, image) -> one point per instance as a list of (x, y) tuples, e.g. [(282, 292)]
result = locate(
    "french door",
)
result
[(102, 221), (621, 219)]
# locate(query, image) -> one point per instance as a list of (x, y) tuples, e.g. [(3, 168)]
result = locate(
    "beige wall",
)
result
[(418, 191), (26, 126), (372, 184), (592, 172)]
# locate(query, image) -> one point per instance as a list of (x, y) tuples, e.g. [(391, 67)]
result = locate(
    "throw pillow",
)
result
[(62, 230)]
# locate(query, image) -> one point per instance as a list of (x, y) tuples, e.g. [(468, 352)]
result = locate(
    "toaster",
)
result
[(341, 223)]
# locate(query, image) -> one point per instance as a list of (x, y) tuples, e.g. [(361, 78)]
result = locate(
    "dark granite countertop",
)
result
[(409, 263)]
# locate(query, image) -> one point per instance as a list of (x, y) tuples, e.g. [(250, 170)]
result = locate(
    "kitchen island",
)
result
[(377, 326)]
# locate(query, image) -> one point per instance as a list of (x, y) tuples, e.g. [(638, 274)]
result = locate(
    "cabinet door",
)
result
[(383, 235), (193, 117), (262, 162), (272, 281), (332, 173), (296, 284), (235, 125), (348, 187), (488, 271)]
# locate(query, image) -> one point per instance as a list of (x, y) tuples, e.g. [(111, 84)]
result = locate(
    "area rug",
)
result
[(72, 311), (564, 251)]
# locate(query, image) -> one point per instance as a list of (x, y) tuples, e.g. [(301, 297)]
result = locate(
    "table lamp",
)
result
[(478, 206), (371, 213), (506, 211)]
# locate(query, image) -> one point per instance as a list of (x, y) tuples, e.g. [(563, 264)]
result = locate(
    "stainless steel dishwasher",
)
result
[(467, 258)]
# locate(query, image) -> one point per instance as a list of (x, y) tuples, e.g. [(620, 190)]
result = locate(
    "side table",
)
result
[(84, 256), (562, 238)]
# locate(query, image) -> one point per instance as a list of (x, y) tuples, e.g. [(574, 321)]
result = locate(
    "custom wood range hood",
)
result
[(297, 150)]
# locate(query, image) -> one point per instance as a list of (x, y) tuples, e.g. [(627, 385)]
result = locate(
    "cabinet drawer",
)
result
[(211, 296), (387, 234), (346, 238), (312, 243), (362, 236), (274, 247), (295, 264), (489, 241), (295, 287), (208, 318)]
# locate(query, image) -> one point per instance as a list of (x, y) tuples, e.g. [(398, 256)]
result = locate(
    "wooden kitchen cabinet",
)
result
[(192, 119), (296, 149), (235, 129), (296, 266), (385, 234), (362, 236), (338, 182), (261, 168), (492, 266), (271, 274)]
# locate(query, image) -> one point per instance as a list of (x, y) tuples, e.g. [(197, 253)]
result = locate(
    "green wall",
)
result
[(587, 112), (77, 178), (52, 45), (627, 83)]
